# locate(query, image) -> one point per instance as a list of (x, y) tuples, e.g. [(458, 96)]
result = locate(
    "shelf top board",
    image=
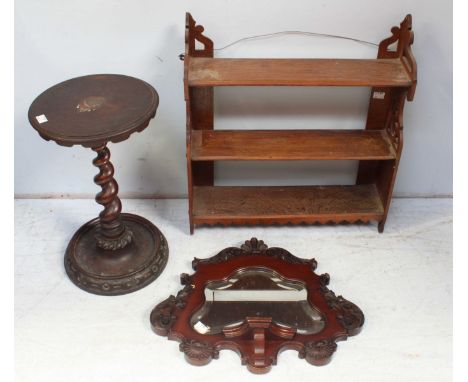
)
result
[(297, 72)]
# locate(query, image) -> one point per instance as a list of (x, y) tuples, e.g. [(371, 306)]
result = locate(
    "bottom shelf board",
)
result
[(282, 205)]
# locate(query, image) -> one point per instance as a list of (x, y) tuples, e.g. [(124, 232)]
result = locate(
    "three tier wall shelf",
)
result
[(392, 79)]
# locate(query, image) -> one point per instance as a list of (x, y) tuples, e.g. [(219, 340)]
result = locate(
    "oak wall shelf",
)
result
[(392, 78)]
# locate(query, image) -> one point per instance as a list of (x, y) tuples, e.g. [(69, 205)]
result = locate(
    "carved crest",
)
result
[(254, 247)]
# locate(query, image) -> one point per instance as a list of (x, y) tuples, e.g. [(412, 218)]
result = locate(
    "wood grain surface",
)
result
[(297, 72), (291, 145), (291, 204)]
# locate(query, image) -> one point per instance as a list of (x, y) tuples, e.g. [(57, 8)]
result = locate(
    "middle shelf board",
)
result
[(297, 72), (211, 145)]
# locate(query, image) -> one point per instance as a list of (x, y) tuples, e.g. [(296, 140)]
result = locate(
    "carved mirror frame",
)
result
[(257, 340)]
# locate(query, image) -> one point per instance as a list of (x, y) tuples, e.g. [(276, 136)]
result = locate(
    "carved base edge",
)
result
[(112, 286), (280, 222), (200, 353)]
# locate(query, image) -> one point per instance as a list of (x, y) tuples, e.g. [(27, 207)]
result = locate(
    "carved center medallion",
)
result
[(89, 104)]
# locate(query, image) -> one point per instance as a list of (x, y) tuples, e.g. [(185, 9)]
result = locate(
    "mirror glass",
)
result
[(256, 292)]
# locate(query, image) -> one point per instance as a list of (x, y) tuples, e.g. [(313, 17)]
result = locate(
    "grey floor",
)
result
[(401, 279)]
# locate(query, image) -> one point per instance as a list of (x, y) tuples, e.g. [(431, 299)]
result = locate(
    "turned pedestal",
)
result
[(116, 253)]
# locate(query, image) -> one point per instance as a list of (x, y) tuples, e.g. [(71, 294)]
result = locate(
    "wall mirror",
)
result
[(256, 292), (257, 301)]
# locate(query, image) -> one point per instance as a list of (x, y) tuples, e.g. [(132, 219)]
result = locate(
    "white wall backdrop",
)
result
[(56, 40)]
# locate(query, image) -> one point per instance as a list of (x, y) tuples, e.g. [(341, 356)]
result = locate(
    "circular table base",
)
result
[(121, 271)]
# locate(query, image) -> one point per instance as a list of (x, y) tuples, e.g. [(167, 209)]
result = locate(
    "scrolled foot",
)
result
[(198, 353), (319, 353)]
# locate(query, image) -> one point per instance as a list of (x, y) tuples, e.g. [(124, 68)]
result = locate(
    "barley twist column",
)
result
[(112, 233)]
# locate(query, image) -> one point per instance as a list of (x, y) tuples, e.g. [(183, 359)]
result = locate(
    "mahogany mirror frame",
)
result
[(258, 340)]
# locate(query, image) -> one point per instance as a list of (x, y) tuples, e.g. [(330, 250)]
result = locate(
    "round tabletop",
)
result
[(93, 110)]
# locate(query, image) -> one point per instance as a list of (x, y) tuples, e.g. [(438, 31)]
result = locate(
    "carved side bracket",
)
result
[(404, 38), (394, 123), (194, 33)]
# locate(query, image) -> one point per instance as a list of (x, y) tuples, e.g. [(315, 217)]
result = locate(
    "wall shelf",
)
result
[(392, 78)]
